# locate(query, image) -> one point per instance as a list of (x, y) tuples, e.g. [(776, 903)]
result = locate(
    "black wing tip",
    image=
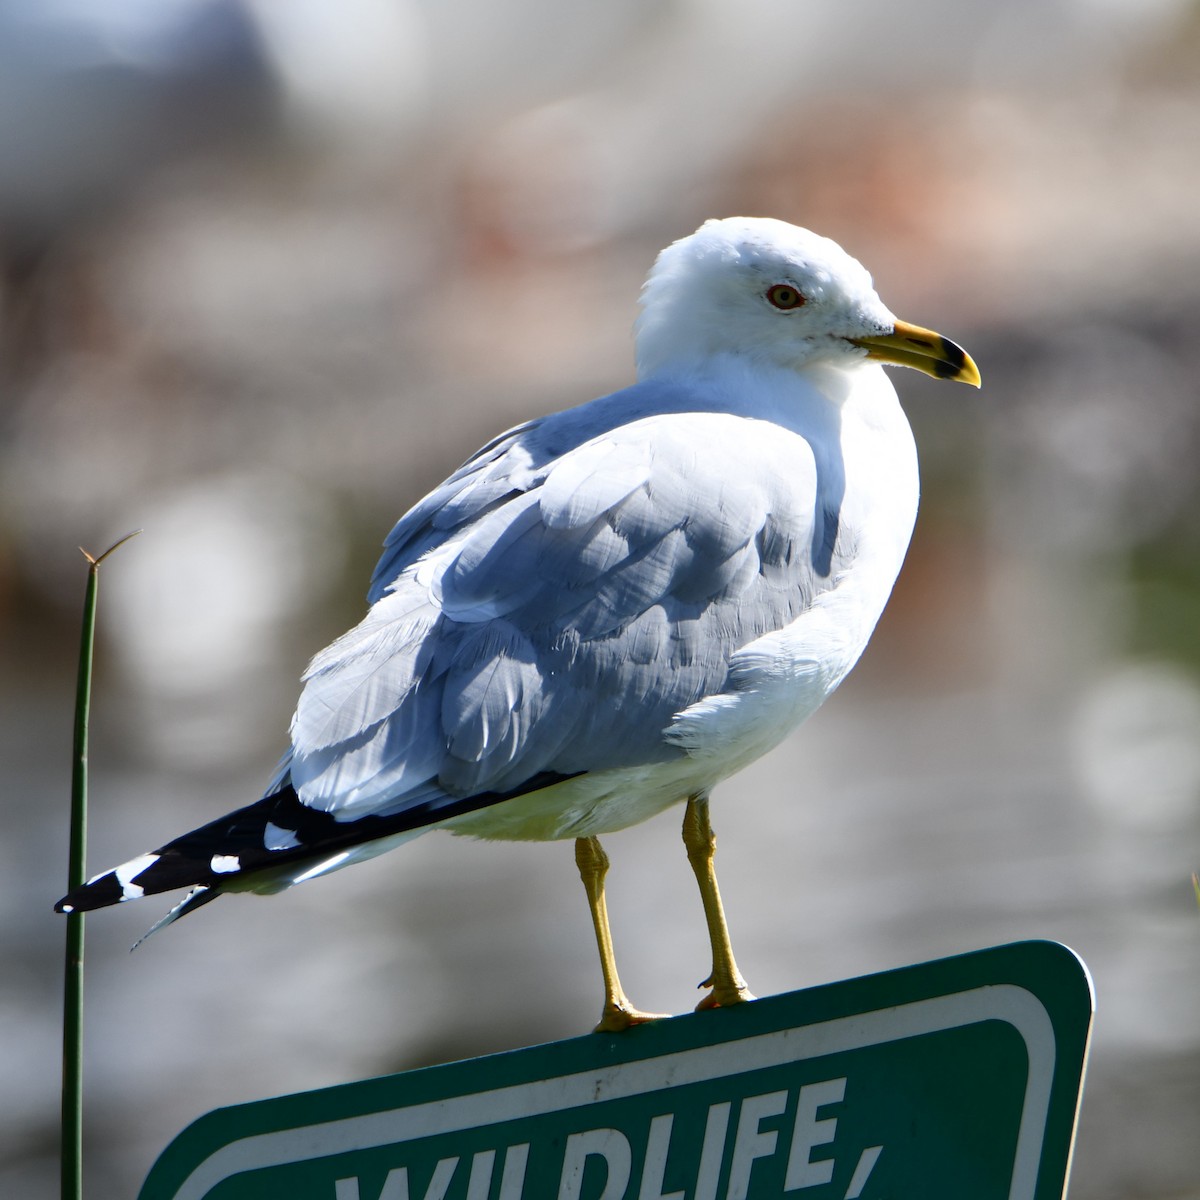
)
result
[(237, 844), (97, 893)]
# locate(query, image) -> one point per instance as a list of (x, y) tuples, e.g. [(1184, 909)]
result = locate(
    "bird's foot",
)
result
[(621, 1016), (724, 994)]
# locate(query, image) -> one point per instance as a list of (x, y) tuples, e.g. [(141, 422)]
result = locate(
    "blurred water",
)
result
[(262, 359)]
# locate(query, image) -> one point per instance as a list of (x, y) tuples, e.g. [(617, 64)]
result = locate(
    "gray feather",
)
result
[(557, 601)]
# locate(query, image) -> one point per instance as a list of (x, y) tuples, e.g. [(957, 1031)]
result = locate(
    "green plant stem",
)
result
[(72, 1081)]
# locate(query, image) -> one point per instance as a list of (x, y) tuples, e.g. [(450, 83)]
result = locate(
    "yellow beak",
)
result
[(911, 346)]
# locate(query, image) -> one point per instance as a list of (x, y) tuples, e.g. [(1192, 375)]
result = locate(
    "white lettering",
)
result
[(479, 1182), (802, 1172), (512, 1178), (610, 1145), (656, 1161), (749, 1144), (712, 1152), (395, 1186), (866, 1164), (438, 1185)]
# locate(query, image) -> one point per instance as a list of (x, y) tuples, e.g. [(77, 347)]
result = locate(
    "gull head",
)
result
[(778, 295)]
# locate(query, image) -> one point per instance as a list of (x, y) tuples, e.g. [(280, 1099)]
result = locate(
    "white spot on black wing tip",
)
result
[(224, 864), (128, 872)]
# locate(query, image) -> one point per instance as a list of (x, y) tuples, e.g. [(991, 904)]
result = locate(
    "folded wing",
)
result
[(549, 610)]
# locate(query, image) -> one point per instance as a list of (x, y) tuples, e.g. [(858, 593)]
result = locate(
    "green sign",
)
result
[(957, 1079)]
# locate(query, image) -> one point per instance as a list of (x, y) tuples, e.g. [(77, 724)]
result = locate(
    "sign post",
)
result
[(954, 1079)]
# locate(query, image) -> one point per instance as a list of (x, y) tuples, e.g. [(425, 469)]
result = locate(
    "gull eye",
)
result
[(785, 297)]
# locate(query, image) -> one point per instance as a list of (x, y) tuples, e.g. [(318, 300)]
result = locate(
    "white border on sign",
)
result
[(1013, 1005)]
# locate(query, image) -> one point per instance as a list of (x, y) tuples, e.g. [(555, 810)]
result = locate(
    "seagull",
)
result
[(606, 611)]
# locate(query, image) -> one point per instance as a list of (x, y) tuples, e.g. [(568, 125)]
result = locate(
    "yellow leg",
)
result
[(728, 986), (618, 1014)]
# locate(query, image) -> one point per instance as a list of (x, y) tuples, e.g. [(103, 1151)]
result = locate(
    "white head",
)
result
[(775, 293)]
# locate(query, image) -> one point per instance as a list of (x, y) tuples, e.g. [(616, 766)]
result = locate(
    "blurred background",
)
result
[(269, 269)]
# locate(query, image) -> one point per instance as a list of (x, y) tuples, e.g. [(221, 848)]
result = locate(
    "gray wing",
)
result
[(551, 612), (501, 469)]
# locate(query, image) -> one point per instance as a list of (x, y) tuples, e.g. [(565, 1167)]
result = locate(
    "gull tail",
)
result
[(272, 844), (264, 847), (213, 857)]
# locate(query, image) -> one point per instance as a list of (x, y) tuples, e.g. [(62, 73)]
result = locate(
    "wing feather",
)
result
[(556, 603), (591, 480)]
